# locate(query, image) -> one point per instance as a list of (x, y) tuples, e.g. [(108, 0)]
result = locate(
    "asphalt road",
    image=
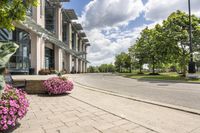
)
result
[(181, 94)]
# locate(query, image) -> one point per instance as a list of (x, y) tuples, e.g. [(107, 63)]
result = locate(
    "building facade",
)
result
[(48, 39)]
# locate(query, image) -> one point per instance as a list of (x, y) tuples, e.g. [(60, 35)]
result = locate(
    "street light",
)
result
[(191, 63)]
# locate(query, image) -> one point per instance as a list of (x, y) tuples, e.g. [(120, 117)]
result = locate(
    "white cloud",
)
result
[(105, 47), (110, 13), (157, 10), (103, 20)]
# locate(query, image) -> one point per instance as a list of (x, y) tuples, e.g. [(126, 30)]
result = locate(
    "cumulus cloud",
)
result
[(110, 13), (105, 46), (103, 21), (157, 10)]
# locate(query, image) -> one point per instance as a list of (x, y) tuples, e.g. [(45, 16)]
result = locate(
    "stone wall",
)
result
[(33, 86)]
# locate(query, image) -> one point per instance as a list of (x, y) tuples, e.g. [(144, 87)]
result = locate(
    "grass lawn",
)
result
[(162, 76)]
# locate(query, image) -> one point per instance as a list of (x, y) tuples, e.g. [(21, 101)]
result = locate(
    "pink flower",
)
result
[(5, 127), (9, 122), (13, 106), (57, 85)]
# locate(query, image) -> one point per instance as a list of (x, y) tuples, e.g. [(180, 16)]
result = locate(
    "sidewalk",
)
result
[(65, 114), (160, 119)]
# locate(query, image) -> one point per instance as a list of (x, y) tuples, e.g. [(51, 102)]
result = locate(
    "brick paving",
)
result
[(64, 114)]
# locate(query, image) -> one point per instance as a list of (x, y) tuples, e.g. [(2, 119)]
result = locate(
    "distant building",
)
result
[(48, 39)]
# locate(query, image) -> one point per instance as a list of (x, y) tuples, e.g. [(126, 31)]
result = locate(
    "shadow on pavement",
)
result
[(48, 95)]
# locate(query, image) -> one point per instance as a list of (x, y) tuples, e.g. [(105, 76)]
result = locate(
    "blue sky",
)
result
[(112, 26)]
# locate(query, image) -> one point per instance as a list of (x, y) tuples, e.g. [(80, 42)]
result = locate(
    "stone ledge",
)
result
[(33, 86)]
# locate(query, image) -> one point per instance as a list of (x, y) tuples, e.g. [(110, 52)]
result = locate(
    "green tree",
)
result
[(93, 69), (11, 11), (197, 60), (138, 54), (151, 47), (104, 68), (176, 29), (14, 11), (123, 60)]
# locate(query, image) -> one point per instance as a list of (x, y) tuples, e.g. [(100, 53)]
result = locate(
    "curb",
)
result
[(174, 107), (160, 80)]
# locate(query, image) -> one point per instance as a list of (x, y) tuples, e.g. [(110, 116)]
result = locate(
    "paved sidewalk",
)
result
[(160, 119), (64, 114)]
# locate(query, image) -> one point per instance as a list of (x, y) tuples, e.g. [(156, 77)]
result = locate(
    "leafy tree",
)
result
[(123, 60), (11, 11), (197, 60), (93, 69), (106, 68), (176, 29), (151, 47), (14, 11), (138, 54)]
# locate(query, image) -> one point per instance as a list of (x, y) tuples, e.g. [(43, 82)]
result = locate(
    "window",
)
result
[(49, 58), (5, 35), (20, 61), (65, 33), (49, 19)]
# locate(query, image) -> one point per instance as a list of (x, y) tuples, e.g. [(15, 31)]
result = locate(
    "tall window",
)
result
[(49, 58), (49, 18), (73, 41), (65, 33), (20, 62), (5, 35)]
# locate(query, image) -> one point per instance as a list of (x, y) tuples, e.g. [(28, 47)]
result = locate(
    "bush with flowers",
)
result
[(58, 85), (13, 106)]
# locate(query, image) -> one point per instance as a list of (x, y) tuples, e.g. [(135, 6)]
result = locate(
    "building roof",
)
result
[(69, 14), (87, 44), (85, 40), (82, 34), (34, 27), (31, 25), (77, 26)]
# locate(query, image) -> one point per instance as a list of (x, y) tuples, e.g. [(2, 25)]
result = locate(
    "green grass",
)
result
[(162, 76)]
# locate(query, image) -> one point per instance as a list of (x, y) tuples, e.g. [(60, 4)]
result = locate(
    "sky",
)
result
[(112, 26)]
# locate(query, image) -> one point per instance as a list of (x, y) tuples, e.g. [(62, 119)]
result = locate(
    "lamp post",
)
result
[(191, 63)]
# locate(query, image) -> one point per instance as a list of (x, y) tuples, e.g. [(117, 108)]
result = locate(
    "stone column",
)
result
[(37, 52), (38, 15), (76, 48), (69, 42), (37, 42), (80, 61), (58, 29), (86, 67), (58, 58), (80, 67)]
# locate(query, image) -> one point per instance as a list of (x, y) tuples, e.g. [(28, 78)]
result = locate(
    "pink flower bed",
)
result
[(13, 106), (58, 85)]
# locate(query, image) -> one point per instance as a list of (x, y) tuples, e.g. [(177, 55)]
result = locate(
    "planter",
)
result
[(58, 85), (13, 107)]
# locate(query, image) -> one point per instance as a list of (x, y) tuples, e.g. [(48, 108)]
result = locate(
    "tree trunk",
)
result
[(153, 66), (140, 68), (184, 64)]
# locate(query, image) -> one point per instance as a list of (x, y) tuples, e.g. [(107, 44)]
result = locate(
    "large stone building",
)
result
[(48, 39)]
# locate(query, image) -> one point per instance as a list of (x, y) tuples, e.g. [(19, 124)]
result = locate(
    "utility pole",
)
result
[(191, 63)]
